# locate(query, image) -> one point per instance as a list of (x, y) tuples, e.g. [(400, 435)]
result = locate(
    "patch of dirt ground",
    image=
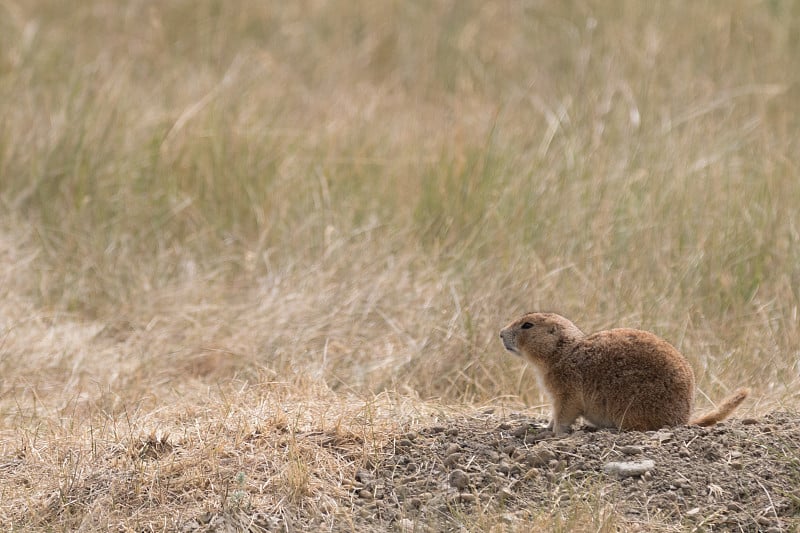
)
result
[(740, 475)]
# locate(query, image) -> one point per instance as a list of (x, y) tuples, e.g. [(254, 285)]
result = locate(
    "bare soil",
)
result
[(740, 475)]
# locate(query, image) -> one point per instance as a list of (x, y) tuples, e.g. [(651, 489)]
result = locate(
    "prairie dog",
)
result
[(622, 378)]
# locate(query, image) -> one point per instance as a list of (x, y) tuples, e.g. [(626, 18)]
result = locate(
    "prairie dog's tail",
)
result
[(723, 410)]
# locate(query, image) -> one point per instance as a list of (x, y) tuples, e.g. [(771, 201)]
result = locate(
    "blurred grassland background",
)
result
[(395, 180), (201, 200), (398, 179)]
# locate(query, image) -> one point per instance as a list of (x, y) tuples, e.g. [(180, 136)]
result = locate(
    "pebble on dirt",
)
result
[(629, 468)]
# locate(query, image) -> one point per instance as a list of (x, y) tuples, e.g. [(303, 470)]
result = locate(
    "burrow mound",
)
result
[(738, 475), (476, 472)]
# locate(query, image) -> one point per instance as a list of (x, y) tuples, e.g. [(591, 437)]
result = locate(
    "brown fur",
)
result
[(624, 378)]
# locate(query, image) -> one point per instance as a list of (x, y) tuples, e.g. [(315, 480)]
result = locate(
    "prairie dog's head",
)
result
[(539, 336)]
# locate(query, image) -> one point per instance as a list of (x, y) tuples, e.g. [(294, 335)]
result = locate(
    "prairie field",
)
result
[(244, 245)]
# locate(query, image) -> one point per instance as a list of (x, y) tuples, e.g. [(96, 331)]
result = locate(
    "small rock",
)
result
[(452, 459), (365, 494), (458, 479), (749, 421), (405, 525), (453, 448), (540, 457), (492, 456), (663, 436), (629, 469), (630, 450), (452, 432), (466, 497), (693, 511)]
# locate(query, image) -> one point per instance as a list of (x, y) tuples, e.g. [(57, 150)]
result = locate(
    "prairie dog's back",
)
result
[(632, 379)]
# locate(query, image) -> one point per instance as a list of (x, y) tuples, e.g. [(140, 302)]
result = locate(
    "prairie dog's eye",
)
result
[(527, 325)]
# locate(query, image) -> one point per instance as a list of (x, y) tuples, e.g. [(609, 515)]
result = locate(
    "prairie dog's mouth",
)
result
[(510, 346)]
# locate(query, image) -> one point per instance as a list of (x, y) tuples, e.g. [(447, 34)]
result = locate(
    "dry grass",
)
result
[(224, 225)]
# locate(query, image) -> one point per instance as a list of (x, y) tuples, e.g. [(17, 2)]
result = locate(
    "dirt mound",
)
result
[(740, 475), (488, 472)]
